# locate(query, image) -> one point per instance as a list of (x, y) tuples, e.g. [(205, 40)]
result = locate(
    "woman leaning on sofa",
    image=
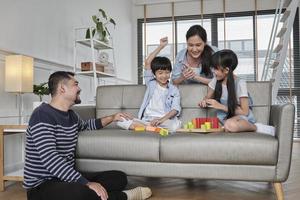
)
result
[(192, 64)]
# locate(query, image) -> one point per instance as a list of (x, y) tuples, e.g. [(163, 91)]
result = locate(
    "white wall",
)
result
[(45, 29)]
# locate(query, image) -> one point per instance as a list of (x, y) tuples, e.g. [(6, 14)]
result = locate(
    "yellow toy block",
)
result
[(190, 125), (164, 132), (203, 127), (139, 128), (207, 125), (185, 126)]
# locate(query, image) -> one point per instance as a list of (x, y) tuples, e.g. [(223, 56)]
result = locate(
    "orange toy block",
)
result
[(151, 128), (157, 129)]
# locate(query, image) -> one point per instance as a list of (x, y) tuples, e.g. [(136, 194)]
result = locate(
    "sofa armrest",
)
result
[(85, 112), (282, 117)]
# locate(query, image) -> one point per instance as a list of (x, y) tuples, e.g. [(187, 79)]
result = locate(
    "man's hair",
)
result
[(161, 63), (56, 78)]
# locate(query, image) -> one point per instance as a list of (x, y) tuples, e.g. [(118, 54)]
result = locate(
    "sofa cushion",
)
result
[(261, 93), (112, 144), (190, 96), (115, 98), (221, 148)]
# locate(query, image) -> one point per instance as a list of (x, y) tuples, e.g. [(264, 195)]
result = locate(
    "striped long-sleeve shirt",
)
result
[(51, 139)]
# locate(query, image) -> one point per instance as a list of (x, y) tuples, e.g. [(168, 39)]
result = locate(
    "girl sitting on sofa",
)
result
[(161, 104), (228, 94)]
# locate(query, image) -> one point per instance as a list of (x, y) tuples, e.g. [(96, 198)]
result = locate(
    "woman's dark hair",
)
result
[(226, 59), (161, 63), (207, 51), (56, 78)]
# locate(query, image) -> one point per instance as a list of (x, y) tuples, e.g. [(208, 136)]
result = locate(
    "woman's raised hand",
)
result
[(188, 73)]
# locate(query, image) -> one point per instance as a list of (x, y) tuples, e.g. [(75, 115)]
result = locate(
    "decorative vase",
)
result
[(102, 38)]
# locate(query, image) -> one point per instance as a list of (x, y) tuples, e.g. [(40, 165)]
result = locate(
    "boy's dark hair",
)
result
[(56, 78), (207, 51), (161, 63), (221, 60)]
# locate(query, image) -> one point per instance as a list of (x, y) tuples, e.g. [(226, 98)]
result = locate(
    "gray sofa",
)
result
[(244, 156)]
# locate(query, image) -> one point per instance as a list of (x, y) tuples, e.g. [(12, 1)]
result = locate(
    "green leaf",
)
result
[(99, 26), (111, 20), (41, 89), (103, 13), (87, 34), (107, 30), (94, 17)]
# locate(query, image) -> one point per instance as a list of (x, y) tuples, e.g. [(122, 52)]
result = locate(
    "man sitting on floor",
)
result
[(51, 138)]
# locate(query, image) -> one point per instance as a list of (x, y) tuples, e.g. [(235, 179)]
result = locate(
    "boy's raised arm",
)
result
[(162, 43)]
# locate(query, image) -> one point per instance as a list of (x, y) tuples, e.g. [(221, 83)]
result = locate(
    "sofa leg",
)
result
[(278, 191)]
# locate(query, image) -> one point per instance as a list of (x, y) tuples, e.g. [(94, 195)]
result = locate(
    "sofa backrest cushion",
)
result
[(191, 94), (128, 98), (119, 98), (261, 93)]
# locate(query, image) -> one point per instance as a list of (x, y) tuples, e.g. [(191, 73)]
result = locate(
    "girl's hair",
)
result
[(207, 51), (226, 59), (161, 63)]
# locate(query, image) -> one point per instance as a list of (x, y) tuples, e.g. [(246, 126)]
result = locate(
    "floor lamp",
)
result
[(19, 77)]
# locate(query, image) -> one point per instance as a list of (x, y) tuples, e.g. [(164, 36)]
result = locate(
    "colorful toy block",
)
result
[(157, 129), (151, 128), (139, 128), (207, 125), (164, 132)]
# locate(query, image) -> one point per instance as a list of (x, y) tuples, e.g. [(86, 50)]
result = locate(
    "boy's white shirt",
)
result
[(155, 108), (172, 102)]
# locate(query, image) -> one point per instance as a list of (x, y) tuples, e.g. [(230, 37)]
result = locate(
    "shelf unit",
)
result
[(14, 175), (95, 46)]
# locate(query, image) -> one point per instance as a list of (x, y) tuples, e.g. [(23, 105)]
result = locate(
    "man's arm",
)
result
[(116, 117)]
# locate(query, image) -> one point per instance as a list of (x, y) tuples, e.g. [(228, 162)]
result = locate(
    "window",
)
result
[(155, 31), (240, 37), (239, 30)]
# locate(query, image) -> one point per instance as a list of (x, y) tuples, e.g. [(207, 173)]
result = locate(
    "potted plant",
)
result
[(40, 90), (101, 21)]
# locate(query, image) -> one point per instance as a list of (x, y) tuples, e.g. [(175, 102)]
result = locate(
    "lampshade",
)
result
[(18, 74)]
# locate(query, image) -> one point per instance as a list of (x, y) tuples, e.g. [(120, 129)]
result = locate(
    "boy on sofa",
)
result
[(161, 104)]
